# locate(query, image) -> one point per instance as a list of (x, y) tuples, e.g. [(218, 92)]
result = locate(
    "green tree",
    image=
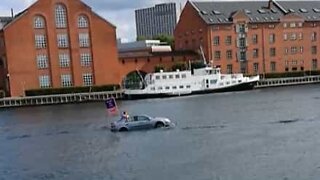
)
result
[(141, 38), (159, 67), (165, 38), (179, 65)]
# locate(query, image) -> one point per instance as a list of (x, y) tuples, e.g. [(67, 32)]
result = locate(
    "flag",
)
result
[(111, 106)]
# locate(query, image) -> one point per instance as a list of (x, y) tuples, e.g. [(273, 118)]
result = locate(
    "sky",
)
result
[(118, 12)]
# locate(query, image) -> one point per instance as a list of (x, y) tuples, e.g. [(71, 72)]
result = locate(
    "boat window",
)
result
[(239, 81), (188, 86), (174, 87), (177, 76), (221, 84), (157, 77), (170, 76), (153, 89), (222, 77), (213, 81), (228, 82), (164, 77), (181, 87), (184, 76), (167, 87), (159, 88)]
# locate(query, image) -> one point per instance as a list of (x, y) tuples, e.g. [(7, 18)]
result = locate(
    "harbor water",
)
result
[(263, 134)]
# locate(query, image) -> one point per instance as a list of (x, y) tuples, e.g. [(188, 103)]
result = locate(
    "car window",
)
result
[(143, 118)]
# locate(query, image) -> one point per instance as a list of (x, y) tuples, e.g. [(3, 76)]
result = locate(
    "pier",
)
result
[(102, 96), (59, 99), (275, 82)]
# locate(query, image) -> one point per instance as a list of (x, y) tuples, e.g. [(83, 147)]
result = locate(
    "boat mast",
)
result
[(203, 56)]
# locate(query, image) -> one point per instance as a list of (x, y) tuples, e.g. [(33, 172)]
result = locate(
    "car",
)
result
[(140, 122)]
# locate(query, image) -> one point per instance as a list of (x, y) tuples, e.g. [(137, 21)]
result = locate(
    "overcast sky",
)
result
[(118, 12)]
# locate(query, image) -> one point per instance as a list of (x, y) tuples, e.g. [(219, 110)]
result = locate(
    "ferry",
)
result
[(197, 81)]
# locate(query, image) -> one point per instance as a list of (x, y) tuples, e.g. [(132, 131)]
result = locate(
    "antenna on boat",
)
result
[(203, 57)]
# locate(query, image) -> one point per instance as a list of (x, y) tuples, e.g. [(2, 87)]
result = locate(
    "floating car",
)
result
[(140, 122)]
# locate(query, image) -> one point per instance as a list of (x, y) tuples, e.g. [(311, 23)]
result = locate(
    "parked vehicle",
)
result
[(140, 122)]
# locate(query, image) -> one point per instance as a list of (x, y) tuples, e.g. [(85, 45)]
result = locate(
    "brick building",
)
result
[(57, 43), (253, 37), (145, 55)]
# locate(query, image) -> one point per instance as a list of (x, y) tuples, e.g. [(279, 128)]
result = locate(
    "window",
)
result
[(64, 60), (255, 39), (314, 36), (242, 28), (44, 81), (314, 64), (40, 41), (293, 50), (39, 22), (183, 76), (177, 76), (300, 36), (228, 40), (87, 79), (66, 80), (301, 49), (217, 55), (243, 56), (62, 40), (286, 50), (285, 36), (229, 54), (273, 66), (216, 40), (255, 53), (293, 36), (242, 42), (314, 49), (84, 40), (272, 52), (229, 69), (256, 67), (42, 61), (285, 25), (272, 38), (82, 21), (61, 16), (86, 59), (292, 25)]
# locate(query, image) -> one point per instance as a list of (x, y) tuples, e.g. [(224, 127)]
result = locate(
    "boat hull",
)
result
[(239, 87)]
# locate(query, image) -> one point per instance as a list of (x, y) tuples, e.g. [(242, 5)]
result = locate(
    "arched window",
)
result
[(61, 16), (82, 22), (39, 22)]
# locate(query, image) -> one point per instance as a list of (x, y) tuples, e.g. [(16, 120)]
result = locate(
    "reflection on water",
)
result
[(259, 134)]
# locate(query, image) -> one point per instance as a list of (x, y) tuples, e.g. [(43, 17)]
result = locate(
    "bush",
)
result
[(180, 65), (159, 67), (71, 90)]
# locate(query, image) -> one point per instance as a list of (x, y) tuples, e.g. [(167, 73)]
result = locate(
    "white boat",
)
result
[(181, 83)]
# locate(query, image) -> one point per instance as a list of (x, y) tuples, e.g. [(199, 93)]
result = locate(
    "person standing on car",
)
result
[(125, 116)]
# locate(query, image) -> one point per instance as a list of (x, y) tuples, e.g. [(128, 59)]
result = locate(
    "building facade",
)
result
[(58, 43), (255, 37), (158, 20)]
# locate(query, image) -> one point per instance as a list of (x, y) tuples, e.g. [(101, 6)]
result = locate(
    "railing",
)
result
[(59, 99), (288, 81)]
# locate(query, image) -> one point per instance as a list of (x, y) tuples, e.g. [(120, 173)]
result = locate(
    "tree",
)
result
[(159, 67), (165, 38), (141, 38)]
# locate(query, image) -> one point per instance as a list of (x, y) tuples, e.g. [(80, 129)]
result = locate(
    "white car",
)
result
[(140, 122)]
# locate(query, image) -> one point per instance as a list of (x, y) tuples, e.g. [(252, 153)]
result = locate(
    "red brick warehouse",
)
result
[(58, 43), (253, 37)]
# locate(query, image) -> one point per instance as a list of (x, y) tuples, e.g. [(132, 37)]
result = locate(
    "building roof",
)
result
[(4, 20), (219, 12)]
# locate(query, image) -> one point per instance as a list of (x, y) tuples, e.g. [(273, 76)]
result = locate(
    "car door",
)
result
[(144, 122), (134, 123)]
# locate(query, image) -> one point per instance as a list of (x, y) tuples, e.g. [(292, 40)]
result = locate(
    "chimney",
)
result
[(12, 13), (270, 4)]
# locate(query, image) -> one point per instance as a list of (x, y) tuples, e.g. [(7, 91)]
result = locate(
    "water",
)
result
[(260, 134)]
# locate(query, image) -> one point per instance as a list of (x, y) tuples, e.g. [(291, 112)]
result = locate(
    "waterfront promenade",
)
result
[(102, 96)]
